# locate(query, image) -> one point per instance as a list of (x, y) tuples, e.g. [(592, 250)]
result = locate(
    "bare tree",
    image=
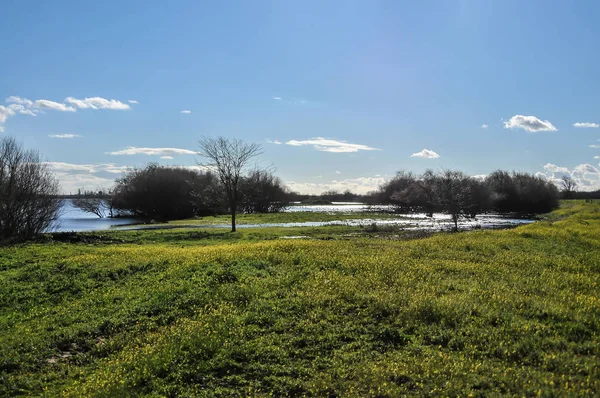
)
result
[(228, 158), (97, 206), (568, 186), (28, 192)]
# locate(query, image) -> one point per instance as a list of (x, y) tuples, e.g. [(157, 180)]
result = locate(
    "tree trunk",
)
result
[(232, 206), (455, 217), (233, 219)]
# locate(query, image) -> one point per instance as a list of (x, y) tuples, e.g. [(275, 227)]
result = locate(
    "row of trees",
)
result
[(168, 193), (459, 195), (29, 193)]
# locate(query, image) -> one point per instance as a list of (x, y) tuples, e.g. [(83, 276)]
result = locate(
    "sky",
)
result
[(340, 94)]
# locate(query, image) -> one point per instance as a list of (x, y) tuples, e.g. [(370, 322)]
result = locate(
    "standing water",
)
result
[(73, 219)]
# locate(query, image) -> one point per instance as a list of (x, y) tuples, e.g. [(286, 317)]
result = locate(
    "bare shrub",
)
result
[(28, 192)]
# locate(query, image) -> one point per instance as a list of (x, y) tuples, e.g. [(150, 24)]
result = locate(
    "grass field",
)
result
[(345, 313)]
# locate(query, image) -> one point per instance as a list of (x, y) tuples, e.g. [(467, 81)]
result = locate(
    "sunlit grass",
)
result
[(512, 312)]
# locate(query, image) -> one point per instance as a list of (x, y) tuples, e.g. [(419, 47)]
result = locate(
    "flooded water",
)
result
[(436, 223), (73, 219)]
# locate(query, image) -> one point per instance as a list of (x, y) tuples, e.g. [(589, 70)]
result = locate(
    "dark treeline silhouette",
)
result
[(590, 195), (329, 196), (459, 195), (168, 193)]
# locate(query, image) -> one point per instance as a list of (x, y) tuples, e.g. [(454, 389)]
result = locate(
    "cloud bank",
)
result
[(585, 175)]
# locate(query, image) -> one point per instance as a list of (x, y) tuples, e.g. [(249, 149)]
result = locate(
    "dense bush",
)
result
[(168, 193), (262, 192), (28, 190), (455, 193), (521, 193), (165, 193)]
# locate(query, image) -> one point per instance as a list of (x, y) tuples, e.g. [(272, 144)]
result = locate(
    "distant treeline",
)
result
[(585, 195), (104, 194), (166, 193), (457, 194), (329, 196)]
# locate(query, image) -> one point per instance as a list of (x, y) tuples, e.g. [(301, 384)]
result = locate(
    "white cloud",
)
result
[(555, 169), (133, 101), (25, 106), (326, 145), (1, 129), (594, 146), (586, 169), (18, 108), (277, 98), (56, 106), (484, 126), (596, 157), (97, 103), (198, 168), (586, 125), (425, 153), (359, 185), (529, 123), (18, 100), (186, 112), (166, 157), (64, 135), (276, 142), (88, 168), (153, 151), (338, 172), (61, 166), (5, 113)]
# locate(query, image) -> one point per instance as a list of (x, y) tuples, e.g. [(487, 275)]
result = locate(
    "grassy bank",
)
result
[(513, 312)]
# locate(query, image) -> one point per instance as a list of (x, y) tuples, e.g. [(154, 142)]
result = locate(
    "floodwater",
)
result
[(436, 223), (73, 219)]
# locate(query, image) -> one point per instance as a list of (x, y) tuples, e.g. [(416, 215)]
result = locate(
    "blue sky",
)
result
[(342, 94)]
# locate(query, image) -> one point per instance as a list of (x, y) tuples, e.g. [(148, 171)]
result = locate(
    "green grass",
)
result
[(210, 313)]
